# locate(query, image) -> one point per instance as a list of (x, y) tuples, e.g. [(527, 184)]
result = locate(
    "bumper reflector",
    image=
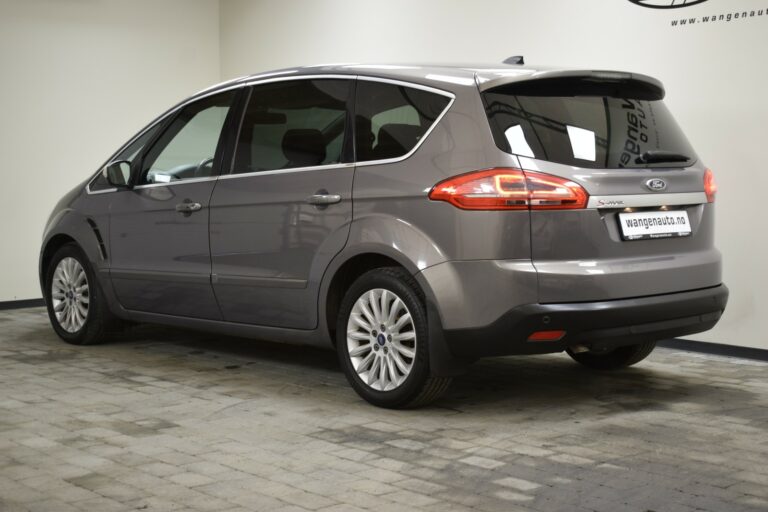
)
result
[(546, 336)]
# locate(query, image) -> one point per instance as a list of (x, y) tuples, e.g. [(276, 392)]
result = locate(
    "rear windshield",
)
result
[(587, 131)]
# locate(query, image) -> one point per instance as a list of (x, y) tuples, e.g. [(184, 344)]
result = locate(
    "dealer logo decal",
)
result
[(666, 4)]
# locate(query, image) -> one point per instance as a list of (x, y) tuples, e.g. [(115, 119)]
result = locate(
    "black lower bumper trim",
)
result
[(597, 325)]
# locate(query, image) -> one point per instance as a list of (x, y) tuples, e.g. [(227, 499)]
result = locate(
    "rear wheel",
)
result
[(615, 359), (382, 341), (76, 308)]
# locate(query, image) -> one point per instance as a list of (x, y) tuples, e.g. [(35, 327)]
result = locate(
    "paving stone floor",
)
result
[(164, 419)]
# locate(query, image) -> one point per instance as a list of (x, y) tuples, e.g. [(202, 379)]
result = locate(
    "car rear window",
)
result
[(585, 130)]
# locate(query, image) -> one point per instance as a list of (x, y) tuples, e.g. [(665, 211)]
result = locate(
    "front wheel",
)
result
[(382, 341), (75, 305), (615, 359)]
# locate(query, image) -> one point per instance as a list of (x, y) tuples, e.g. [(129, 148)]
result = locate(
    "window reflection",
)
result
[(582, 143), (516, 140)]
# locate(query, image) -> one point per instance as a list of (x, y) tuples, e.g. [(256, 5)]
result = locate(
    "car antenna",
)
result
[(517, 59)]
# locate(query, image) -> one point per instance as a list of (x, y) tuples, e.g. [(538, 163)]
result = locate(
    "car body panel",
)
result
[(270, 247), (393, 196), (585, 249), (272, 259), (160, 258)]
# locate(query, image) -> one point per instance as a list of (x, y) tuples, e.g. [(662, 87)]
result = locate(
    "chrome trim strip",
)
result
[(258, 81), (646, 200), (283, 171), (407, 84), (413, 150), (178, 182), (94, 192), (157, 120)]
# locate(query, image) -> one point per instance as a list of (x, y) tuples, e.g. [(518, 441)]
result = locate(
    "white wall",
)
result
[(715, 76), (81, 76), (77, 79)]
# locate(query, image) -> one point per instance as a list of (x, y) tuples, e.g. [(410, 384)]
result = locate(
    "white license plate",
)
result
[(642, 225)]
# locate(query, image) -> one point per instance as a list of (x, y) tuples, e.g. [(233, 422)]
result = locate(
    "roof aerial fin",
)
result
[(517, 59)]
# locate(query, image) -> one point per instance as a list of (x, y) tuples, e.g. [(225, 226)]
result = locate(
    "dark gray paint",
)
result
[(270, 247), (160, 258)]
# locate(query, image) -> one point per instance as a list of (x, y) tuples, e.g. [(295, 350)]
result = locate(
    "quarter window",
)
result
[(391, 119), (287, 125), (187, 148)]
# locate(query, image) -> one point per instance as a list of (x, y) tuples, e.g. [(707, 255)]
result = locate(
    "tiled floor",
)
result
[(170, 420)]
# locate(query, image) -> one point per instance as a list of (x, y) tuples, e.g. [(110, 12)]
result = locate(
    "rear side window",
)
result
[(586, 131), (300, 123), (391, 119)]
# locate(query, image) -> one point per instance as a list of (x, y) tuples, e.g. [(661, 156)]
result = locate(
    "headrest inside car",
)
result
[(396, 140), (303, 147)]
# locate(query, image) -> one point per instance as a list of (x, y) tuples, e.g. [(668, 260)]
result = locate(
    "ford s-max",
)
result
[(412, 218)]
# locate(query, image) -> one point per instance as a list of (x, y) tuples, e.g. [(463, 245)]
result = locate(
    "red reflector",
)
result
[(710, 187), (510, 189), (546, 336)]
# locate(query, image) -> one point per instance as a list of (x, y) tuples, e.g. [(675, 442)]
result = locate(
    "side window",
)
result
[(299, 123), (187, 148), (129, 154), (391, 119)]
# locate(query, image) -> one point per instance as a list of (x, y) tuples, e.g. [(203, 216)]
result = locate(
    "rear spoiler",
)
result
[(571, 83)]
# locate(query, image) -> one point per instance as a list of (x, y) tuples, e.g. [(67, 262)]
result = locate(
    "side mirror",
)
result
[(119, 173)]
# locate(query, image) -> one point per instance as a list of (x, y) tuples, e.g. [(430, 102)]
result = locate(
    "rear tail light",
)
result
[(510, 189), (710, 187)]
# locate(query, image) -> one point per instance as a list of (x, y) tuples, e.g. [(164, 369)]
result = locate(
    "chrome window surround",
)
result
[(259, 81)]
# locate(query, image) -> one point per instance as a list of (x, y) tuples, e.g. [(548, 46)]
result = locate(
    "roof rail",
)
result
[(517, 59)]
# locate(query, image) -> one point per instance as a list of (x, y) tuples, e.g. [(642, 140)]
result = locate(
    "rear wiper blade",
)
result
[(653, 156)]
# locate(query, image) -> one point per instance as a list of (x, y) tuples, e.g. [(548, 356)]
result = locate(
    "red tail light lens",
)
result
[(548, 192), (710, 187), (546, 336), (510, 189)]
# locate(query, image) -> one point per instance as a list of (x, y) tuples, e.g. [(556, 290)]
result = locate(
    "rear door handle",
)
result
[(188, 207), (323, 199)]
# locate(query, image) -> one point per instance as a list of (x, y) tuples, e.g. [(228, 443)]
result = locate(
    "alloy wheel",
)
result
[(381, 339), (70, 294)]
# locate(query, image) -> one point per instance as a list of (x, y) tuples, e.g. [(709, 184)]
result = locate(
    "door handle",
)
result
[(323, 198), (188, 207)]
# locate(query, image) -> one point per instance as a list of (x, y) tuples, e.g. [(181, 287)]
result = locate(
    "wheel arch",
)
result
[(53, 244), (72, 228), (345, 269)]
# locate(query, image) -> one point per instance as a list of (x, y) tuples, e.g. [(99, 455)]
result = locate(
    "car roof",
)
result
[(448, 77)]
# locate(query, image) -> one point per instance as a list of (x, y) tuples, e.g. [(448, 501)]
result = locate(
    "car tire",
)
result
[(396, 357), (75, 302), (615, 359)]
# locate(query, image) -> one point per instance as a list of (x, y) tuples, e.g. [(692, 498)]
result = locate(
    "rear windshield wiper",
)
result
[(653, 156)]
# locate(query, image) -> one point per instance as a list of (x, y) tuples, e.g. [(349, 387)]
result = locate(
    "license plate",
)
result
[(644, 225)]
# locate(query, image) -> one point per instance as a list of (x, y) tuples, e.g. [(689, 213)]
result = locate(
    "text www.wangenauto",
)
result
[(732, 16)]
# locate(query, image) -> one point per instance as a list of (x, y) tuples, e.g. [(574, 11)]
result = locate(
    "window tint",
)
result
[(299, 123), (391, 119), (186, 149), (586, 131), (128, 154)]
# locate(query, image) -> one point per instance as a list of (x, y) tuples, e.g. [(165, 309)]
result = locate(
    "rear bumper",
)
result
[(597, 325)]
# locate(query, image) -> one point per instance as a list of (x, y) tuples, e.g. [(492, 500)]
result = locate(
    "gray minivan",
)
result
[(413, 218)]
